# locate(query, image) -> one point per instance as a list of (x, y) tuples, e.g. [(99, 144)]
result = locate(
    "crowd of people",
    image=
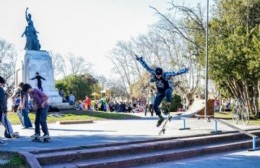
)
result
[(112, 105)]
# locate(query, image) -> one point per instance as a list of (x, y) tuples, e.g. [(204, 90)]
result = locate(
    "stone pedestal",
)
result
[(31, 62)]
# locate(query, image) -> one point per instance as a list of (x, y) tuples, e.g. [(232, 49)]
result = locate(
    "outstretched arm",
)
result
[(33, 78), (182, 71), (26, 14), (144, 64), (42, 78)]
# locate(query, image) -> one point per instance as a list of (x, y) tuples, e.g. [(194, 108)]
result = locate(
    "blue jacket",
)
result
[(3, 102), (166, 76)]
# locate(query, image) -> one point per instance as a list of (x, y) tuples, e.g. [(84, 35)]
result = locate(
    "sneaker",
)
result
[(166, 111), (15, 135), (160, 121), (35, 135), (167, 107), (46, 136)]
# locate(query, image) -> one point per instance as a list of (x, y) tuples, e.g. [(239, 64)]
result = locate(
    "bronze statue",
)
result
[(32, 42)]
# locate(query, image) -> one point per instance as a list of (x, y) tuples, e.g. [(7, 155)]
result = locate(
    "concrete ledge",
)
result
[(255, 131), (76, 122), (31, 161), (136, 148)]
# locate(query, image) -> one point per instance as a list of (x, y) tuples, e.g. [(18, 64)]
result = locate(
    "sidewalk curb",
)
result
[(30, 159), (75, 122)]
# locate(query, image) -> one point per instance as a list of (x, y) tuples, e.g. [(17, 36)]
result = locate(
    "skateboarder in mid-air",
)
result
[(38, 77), (163, 84)]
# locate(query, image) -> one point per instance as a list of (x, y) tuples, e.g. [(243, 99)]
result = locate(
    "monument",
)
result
[(33, 61)]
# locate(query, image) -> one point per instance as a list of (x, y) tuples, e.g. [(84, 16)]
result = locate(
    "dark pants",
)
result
[(40, 87), (158, 99), (41, 119), (150, 109)]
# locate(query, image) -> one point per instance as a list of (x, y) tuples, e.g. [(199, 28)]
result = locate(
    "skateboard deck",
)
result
[(41, 139), (167, 119)]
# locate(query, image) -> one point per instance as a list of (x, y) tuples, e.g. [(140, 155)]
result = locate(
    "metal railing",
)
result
[(254, 137)]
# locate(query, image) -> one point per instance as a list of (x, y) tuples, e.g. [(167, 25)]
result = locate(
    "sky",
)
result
[(87, 28)]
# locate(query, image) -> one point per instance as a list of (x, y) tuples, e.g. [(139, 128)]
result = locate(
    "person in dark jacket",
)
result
[(9, 133), (3, 105), (39, 78)]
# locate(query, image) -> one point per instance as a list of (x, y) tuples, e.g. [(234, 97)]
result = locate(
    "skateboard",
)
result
[(167, 119), (40, 139)]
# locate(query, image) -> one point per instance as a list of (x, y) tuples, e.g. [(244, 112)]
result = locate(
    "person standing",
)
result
[(71, 99), (24, 106), (9, 133), (39, 78), (88, 103), (150, 101), (42, 107), (3, 105)]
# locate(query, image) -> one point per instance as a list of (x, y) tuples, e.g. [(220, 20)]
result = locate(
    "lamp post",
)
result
[(206, 71)]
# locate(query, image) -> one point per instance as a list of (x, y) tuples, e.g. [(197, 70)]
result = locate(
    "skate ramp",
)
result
[(195, 107)]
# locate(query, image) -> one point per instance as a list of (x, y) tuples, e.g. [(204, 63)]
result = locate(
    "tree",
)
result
[(234, 52), (182, 45), (165, 46), (69, 64), (234, 45), (77, 64), (117, 88), (8, 57), (59, 65), (79, 85)]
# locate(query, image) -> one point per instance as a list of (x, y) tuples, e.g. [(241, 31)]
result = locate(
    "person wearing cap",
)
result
[(39, 78), (163, 84)]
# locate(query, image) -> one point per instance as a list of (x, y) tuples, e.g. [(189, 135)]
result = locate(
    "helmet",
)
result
[(158, 71)]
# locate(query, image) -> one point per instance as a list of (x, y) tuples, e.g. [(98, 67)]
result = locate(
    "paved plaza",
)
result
[(111, 131)]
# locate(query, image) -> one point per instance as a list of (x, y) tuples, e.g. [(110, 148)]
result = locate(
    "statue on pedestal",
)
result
[(32, 42)]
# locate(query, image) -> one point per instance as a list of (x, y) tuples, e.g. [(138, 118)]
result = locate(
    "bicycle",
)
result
[(240, 112)]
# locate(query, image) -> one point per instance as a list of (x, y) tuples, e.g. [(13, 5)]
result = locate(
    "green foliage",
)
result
[(234, 48), (79, 85), (14, 161), (176, 103)]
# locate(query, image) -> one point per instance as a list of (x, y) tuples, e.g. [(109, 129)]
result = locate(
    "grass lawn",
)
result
[(13, 160), (74, 115)]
